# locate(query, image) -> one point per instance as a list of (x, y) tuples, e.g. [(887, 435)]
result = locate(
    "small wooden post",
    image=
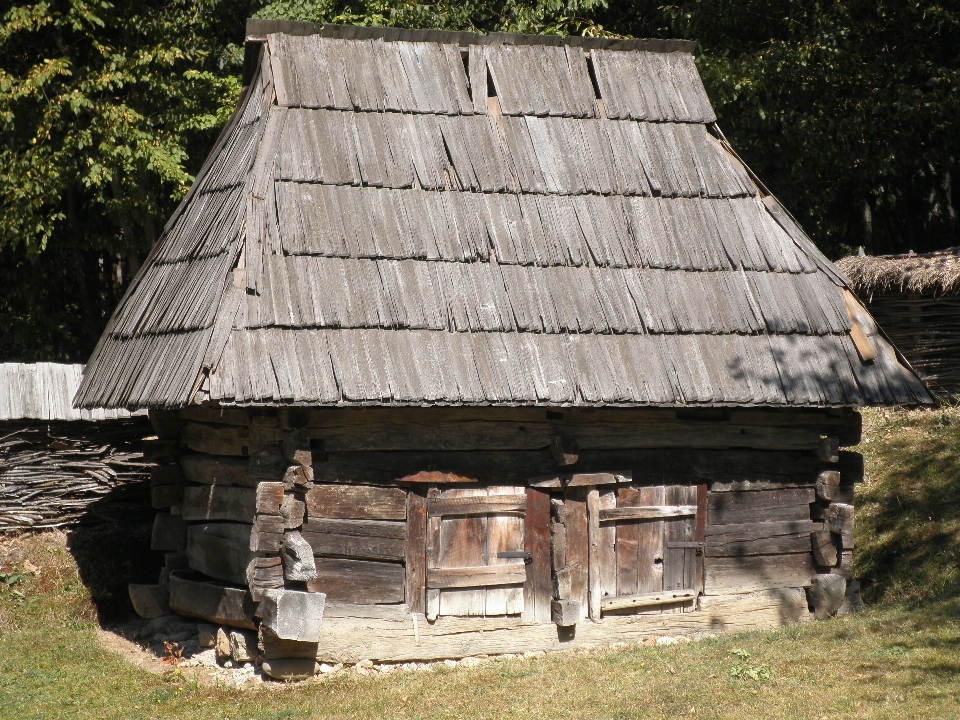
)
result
[(593, 562)]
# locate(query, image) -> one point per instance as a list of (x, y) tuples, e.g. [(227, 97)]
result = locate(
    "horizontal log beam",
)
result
[(488, 505), (646, 512), (647, 599), (482, 576)]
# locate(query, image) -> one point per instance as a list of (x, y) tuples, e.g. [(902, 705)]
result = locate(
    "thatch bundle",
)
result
[(916, 300), (937, 273)]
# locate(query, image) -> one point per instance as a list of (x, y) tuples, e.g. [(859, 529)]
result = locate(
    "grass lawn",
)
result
[(900, 658)]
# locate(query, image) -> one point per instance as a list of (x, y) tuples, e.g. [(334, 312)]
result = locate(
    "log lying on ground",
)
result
[(195, 596)]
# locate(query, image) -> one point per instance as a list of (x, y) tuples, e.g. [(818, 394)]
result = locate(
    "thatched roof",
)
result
[(936, 272), (470, 221), (44, 391)]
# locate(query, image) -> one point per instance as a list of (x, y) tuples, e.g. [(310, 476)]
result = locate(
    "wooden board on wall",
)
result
[(575, 503), (723, 469), (220, 550), (361, 582), (760, 538), (725, 575), (370, 539), (416, 549), (213, 502), (730, 508), (361, 502)]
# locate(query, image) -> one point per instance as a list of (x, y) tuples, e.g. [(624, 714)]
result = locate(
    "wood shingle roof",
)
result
[(389, 221)]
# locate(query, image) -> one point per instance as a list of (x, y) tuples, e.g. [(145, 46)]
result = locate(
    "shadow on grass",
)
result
[(908, 517)]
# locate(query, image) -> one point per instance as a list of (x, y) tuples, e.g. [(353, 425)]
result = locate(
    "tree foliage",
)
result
[(847, 109)]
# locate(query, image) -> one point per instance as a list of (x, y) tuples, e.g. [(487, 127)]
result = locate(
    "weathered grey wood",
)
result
[(220, 550), (828, 485), (371, 539), (479, 576), (565, 450), (382, 429), (350, 640), (492, 504), (759, 538), (169, 533), (216, 439), (264, 573), (827, 593), (828, 449), (561, 584), (358, 581), (298, 562), (356, 502), (565, 612), (825, 551), (266, 464), (839, 518), (211, 601), (575, 502), (212, 502), (415, 548), (217, 470), (647, 512), (266, 535), (558, 545), (607, 555), (166, 424), (665, 597), (726, 575), (293, 615), (292, 510), (269, 498), (275, 648), (729, 508), (298, 476), (214, 414), (594, 586), (738, 469)]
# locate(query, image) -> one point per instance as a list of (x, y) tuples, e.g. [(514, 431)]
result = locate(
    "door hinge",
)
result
[(698, 546)]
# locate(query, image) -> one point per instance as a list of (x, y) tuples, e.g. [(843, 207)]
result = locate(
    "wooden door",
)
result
[(482, 559), (645, 546)]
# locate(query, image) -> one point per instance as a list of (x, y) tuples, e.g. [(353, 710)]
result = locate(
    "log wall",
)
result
[(543, 526)]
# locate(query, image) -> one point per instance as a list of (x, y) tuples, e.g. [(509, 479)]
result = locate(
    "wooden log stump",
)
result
[(269, 498), (293, 615), (825, 551), (827, 594), (828, 485), (565, 612)]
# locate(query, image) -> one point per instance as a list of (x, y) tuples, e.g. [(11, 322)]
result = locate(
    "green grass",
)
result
[(899, 659)]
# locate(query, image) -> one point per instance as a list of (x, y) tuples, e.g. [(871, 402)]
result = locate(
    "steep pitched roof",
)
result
[(388, 221)]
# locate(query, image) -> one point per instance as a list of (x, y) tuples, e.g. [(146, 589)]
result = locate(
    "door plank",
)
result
[(650, 548), (504, 533), (628, 539), (416, 550), (575, 502), (593, 560), (607, 551), (538, 590)]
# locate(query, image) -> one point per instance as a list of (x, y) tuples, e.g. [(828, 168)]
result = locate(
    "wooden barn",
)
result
[(472, 344), (916, 300), (59, 464)]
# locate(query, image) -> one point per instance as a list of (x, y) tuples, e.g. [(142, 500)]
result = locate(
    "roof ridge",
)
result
[(258, 29)]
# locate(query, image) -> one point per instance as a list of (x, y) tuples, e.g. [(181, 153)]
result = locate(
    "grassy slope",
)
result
[(898, 659)]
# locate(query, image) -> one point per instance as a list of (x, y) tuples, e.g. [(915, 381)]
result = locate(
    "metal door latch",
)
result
[(698, 546), (506, 554)]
